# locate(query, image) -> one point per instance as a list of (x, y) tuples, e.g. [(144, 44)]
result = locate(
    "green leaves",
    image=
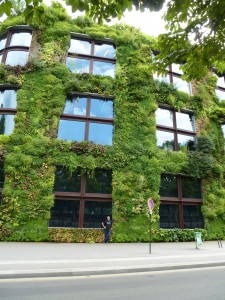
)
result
[(195, 37)]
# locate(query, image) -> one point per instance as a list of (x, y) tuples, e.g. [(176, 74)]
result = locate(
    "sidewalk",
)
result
[(22, 260)]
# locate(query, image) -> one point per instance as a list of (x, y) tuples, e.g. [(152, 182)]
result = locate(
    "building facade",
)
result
[(87, 130)]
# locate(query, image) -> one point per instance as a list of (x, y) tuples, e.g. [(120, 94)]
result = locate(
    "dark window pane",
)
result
[(185, 121), (71, 130), (21, 39), (169, 216), (15, 58), (191, 187), (186, 142), (104, 68), (66, 182), (8, 99), (165, 140), (65, 214), (193, 217), (101, 108), (2, 175), (6, 124), (101, 182), (78, 65), (80, 47), (105, 50), (101, 133), (164, 117), (95, 213), (168, 186), (76, 106)]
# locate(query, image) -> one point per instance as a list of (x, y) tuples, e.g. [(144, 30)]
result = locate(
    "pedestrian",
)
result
[(107, 225)]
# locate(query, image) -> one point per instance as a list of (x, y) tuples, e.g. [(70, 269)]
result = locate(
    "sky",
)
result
[(148, 22)]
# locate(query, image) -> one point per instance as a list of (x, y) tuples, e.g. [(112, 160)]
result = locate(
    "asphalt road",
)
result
[(191, 284)]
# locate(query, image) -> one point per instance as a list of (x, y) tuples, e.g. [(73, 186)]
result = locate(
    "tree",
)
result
[(196, 29), (195, 38)]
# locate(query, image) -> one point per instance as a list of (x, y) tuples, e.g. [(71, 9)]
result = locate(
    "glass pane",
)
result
[(191, 187), (8, 99), (181, 85), (176, 69), (106, 130), (66, 182), (104, 68), (165, 78), (95, 213), (79, 46), (105, 50), (220, 94), (165, 140), (21, 39), (169, 216), (71, 130), (186, 142), (2, 175), (78, 65), (76, 106), (193, 217), (65, 213), (164, 117), (185, 121), (168, 186), (223, 129), (221, 82), (6, 124), (101, 108), (2, 43), (101, 183), (15, 58)]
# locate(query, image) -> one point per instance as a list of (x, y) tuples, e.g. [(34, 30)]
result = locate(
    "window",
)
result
[(8, 105), (175, 130), (181, 201), (174, 76), (14, 47), (84, 117), (90, 56), (220, 90), (81, 200)]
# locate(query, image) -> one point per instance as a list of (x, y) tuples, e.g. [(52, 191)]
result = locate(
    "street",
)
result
[(206, 283)]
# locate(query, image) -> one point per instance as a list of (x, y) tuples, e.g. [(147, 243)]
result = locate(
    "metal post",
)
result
[(150, 232)]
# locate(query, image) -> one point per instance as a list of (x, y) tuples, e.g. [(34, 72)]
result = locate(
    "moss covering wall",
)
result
[(32, 151)]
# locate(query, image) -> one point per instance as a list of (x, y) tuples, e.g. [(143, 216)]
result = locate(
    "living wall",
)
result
[(32, 151)]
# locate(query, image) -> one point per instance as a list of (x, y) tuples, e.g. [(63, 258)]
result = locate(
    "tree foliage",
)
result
[(195, 37)]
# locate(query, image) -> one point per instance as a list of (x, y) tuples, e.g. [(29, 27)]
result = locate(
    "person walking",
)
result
[(107, 225)]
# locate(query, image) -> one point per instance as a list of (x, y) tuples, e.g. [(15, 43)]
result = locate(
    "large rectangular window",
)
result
[(8, 105), (175, 130), (181, 202), (86, 55), (174, 77), (84, 117), (220, 89), (81, 200), (14, 47)]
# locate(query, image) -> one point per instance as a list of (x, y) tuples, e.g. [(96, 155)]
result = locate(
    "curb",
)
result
[(108, 271)]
